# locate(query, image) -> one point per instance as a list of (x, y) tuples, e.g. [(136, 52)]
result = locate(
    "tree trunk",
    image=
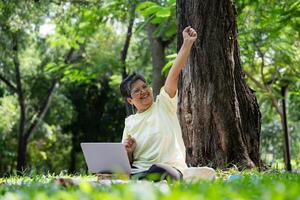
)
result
[(219, 115), (287, 151), (22, 150), (125, 51), (72, 166), (158, 59), (23, 133), (42, 111), (21, 161)]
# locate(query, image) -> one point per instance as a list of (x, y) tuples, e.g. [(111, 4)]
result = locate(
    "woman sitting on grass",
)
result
[(152, 136)]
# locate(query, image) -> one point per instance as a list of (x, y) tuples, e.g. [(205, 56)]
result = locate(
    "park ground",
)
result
[(273, 185)]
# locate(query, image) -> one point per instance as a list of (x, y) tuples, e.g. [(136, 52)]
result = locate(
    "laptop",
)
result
[(106, 158)]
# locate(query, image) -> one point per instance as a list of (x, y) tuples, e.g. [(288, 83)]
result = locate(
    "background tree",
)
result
[(272, 38), (88, 83), (56, 58), (12, 76)]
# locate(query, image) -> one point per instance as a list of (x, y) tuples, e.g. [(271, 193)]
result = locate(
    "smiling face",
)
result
[(141, 95)]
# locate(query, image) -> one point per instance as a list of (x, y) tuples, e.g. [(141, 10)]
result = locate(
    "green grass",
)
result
[(248, 185)]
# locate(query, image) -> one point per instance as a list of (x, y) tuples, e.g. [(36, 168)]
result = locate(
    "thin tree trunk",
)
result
[(287, 151), (43, 110), (21, 162), (25, 134), (72, 166), (127, 41), (125, 51), (219, 115), (158, 59)]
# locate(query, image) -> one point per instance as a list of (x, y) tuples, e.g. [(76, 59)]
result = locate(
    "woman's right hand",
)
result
[(130, 144), (189, 34)]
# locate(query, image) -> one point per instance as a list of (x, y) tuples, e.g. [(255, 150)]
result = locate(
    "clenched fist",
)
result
[(189, 34)]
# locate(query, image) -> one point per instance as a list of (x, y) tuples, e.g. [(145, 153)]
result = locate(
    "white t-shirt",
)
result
[(158, 135)]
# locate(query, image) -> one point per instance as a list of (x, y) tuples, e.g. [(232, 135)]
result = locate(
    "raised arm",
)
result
[(189, 37)]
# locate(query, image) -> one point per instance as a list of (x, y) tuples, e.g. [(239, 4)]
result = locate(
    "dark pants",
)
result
[(159, 172)]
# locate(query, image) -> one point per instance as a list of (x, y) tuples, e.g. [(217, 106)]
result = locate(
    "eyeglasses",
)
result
[(138, 90)]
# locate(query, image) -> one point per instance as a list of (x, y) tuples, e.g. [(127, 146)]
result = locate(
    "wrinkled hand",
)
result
[(189, 34), (130, 144)]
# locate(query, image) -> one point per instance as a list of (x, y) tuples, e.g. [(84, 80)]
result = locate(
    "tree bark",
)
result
[(72, 166), (22, 151), (219, 114), (158, 59)]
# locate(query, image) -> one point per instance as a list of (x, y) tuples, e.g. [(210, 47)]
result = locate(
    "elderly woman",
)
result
[(152, 136)]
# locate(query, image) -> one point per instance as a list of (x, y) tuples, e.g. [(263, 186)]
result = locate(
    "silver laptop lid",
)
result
[(106, 157)]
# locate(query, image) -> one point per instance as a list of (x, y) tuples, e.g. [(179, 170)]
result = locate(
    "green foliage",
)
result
[(162, 15), (269, 42), (8, 136), (40, 150), (167, 67), (8, 112), (139, 55)]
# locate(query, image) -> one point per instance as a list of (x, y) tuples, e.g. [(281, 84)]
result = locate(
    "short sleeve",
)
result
[(125, 132), (165, 101)]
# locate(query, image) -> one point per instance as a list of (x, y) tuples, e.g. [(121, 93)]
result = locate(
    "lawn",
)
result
[(233, 185)]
